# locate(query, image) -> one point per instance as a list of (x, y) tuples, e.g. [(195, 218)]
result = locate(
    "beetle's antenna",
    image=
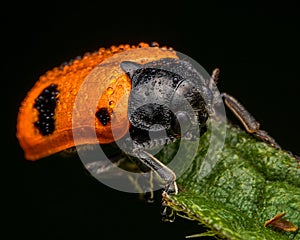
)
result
[(215, 75), (214, 78)]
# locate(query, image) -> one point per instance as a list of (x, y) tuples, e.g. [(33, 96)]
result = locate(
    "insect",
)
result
[(44, 125)]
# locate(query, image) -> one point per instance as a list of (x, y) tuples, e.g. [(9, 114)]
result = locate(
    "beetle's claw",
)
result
[(168, 214), (171, 188), (149, 197)]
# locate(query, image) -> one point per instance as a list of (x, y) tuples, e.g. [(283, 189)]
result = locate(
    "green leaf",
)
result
[(250, 184)]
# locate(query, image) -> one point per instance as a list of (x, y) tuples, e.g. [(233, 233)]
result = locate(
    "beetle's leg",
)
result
[(147, 193), (166, 174), (248, 121)]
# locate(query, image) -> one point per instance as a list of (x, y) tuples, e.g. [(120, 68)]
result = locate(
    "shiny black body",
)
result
[(166, 103)]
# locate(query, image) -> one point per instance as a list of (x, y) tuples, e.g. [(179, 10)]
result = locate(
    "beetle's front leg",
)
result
[(165, 173)]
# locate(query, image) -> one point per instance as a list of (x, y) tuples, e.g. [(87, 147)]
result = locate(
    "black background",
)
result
[(256, 46)]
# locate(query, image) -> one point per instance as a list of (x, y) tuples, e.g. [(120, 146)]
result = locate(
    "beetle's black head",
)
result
[(165, 102)]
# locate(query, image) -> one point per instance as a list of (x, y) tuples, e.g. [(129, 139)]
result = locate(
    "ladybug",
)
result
[(46, 116)]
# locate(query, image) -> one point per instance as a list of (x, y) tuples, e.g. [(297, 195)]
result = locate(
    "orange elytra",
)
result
[(44, 124)]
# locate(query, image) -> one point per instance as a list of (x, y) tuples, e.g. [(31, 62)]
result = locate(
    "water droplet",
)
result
[(154, 44), (120, 88), (109, 91), (87, 54), (141, 45), (111, 104), (175, 79)]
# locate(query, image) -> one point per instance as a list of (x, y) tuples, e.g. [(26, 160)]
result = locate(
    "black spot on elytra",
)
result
[(45, 103), (103, 115)]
